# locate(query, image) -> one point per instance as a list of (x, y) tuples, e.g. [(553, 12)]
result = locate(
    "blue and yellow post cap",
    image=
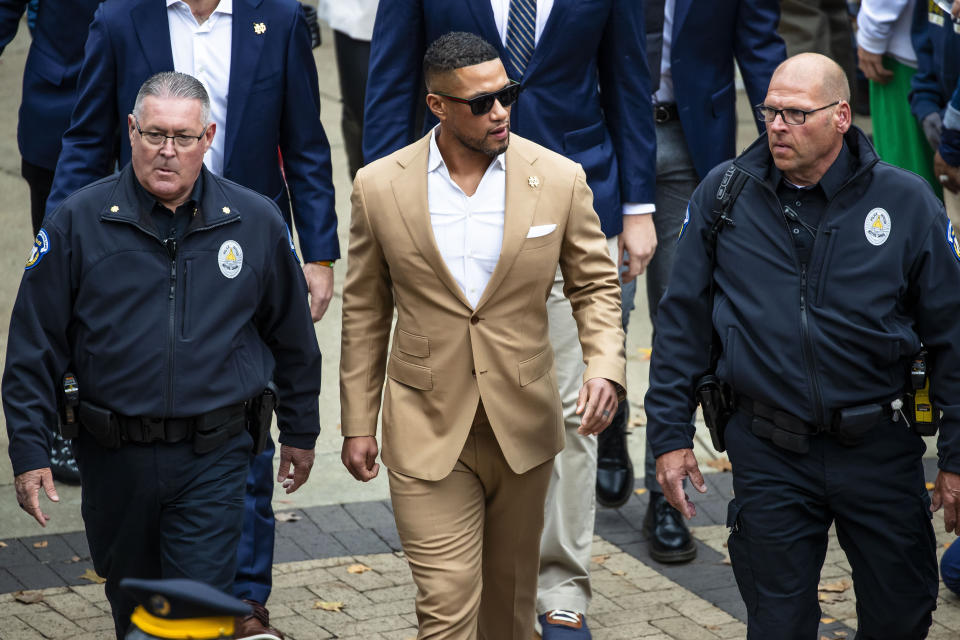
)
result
[(180, 609)]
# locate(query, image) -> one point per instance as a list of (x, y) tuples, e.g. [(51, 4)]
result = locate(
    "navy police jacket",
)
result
[(150, 334), (883, 276)]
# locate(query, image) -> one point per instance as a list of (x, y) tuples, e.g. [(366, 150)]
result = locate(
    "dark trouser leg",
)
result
[(255, 552), (121, 514), (779, 522), (883, 517), (40, 181), (161, 511), (676, 180), (202, 516), (353, 57)]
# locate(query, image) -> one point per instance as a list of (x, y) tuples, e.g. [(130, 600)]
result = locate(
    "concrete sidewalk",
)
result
[(336, 542)]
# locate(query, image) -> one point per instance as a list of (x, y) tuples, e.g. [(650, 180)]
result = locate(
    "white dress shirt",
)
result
[(352, 17), (664, 92), (203, 51), (883, 27), (468, 229), (501, 10)]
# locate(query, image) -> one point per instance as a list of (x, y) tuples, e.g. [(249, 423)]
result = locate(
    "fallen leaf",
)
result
[(328, 606), (826, 598), (947, 544), (619, 572), (645, 352), (720, 464), (287, 516), (92, 576), (713, 627), (639, 492), (40, 545), (601, 559), (75, 559), (3, 545), (28, 597), (839, 634), (827, 620), (637, 422), (824, 638), (836, 587), (929, 486), (358, 568)]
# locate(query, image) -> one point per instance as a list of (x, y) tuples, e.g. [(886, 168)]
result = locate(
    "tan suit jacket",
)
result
[(446, 355)]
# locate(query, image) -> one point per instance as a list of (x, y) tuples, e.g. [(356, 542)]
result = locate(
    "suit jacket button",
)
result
[(474, 319)]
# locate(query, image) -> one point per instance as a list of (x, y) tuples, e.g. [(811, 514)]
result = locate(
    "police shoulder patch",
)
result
[(686, 221), (40, 248), (952, 241)]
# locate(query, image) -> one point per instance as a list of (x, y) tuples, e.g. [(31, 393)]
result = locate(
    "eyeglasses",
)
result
[(157, 139), (789, 116), (483, 103)]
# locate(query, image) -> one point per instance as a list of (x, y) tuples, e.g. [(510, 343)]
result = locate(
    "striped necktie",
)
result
[(521, 27)]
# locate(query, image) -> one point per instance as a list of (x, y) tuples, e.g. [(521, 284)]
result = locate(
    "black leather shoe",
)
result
[(614, 468), (667, 533), (62, 463)]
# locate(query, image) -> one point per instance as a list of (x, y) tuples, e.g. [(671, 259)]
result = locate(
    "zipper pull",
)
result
[(897, 407), (170, 244)]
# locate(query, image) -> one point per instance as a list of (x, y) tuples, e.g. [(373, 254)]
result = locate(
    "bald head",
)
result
[(824, 76)]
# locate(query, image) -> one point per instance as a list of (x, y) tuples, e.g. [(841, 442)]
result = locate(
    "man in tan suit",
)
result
[(462, 233)]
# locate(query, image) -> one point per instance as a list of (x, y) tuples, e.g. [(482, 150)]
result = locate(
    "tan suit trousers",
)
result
[(473, 541)]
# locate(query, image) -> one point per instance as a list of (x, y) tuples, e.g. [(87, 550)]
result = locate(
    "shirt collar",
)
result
[(832, 181), (147, 201), (435, 159), (225, 6)]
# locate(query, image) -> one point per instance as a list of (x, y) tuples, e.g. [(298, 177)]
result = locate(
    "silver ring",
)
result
[(606, 414)]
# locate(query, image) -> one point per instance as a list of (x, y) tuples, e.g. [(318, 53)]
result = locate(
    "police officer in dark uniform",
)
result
[(174, 296), (831, 269)]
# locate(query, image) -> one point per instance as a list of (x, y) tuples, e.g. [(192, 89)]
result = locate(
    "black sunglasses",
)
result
[(483, 103)]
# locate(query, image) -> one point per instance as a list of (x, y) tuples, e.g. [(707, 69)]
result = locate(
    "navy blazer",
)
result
[(274, 101), (586, 90), (705, 40), (50, 75)]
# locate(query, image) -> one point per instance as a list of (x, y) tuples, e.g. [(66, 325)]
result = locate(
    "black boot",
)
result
[(614, 468), (667, 533), (62, 463), (313, 24)]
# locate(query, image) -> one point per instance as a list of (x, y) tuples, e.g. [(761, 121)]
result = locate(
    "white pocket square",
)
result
[(540, 230)]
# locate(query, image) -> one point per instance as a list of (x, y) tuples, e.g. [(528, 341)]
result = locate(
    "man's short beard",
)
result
[(479, 147)]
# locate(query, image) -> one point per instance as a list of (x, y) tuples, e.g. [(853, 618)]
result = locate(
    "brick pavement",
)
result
[(349, 554)]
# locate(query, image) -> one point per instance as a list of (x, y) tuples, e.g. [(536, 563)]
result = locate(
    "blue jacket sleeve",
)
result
[(683, 333), (933, 278), (306, 151), (625, 95), (88, 145), (925, 96), (396, 60), (284, 324), (758, 47), (10, 14), (37, 350)]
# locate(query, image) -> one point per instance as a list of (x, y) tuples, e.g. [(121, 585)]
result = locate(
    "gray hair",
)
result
[(173, 84)]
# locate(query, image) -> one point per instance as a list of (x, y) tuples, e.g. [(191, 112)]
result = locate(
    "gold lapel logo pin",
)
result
[(533, 181), (114, 209), (225, 210), (259, 28)]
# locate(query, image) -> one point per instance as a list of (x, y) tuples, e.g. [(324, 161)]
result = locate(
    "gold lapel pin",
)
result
[(259, 28), (533, 181), (225, 210), (114, 209)]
